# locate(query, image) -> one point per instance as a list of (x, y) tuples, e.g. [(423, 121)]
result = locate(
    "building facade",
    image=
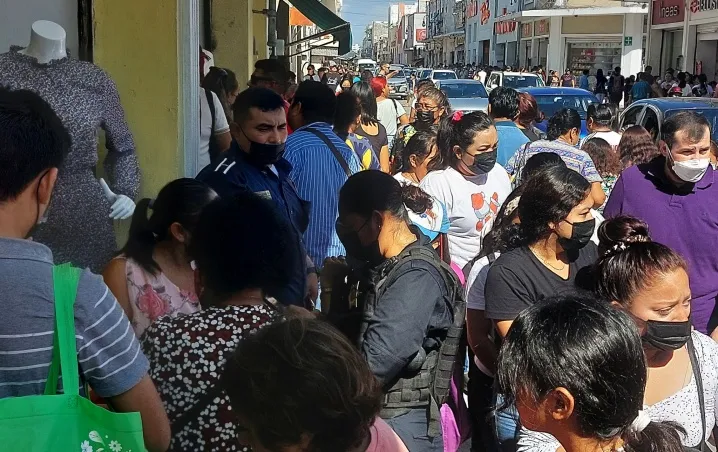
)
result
[(684, 36), (375, 42), (445, 32), (479, 31)]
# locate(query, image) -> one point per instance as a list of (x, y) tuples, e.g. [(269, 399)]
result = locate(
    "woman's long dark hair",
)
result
[(636, 147), (367, 99), (593, 351), (373, 190), (548, 197), (561, 122), (181, 201), (222, 82), (420, 145), (457, 133), (497, 239)]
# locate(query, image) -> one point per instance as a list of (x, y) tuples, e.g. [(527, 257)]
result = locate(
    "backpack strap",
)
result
[(332, 147), (64, 353)]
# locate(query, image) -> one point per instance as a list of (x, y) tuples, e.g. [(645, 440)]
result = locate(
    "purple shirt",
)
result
[(687, 222)]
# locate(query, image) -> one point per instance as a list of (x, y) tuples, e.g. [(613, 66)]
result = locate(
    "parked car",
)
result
[(365, 64), (399, 85), (423, 73), (441, 74), (465, 95), (550, 100), (514, 80), (650, 113)]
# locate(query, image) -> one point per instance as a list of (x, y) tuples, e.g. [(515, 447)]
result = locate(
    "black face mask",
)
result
[(667, 336), (424, 120), (263, 154), (483, 163), (580, 236), (356, 249)]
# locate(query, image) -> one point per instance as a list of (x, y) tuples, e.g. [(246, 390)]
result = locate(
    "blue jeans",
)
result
[(506, 426)]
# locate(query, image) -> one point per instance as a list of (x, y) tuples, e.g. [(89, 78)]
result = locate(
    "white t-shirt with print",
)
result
[(611, 137), (471, 203), (220, 126), (388, 112)]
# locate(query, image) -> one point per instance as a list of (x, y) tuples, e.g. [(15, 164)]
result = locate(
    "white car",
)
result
[(441, 74), (513, 80)]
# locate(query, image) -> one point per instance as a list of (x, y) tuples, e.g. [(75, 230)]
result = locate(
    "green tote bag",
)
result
[(65, 422)]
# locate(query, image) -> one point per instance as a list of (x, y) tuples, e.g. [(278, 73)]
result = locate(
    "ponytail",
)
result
[(181, 201), (457, 129), (416, 199), (141, 239), (655, 437), (221, 82)]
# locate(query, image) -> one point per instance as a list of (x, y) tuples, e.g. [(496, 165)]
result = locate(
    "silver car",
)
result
[(465, 95), (399, 85)]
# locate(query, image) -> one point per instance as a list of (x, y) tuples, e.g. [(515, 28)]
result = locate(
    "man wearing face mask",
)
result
[(675, 194), (33, 146), (254, 162)]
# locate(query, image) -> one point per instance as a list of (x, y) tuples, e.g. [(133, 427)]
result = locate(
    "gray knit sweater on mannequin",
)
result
[(78, 227)]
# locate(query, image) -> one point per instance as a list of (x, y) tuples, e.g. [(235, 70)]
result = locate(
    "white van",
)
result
[(366, 65)]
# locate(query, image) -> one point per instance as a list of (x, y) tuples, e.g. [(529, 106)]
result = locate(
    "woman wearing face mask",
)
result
[(648, 281), (547, 253), (465, 177), (395, 265), (564, 130), (574, 367), (369, 126), (152, 277), (431, 106)]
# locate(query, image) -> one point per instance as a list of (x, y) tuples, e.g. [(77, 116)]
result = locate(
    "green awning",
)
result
[(326, 20)]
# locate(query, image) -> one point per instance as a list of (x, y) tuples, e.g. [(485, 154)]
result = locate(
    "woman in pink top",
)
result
[(300, 385), (152, 277)]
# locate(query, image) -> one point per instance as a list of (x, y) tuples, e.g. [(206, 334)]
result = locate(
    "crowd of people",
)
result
[(346, 276)]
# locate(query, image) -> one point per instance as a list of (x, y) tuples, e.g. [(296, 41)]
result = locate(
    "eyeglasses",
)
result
[(425, 107)]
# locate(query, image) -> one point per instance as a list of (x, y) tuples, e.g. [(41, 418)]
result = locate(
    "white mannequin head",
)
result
[(47, 42)]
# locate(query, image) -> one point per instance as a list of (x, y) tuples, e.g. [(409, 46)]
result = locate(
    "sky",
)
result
[(360, 13)]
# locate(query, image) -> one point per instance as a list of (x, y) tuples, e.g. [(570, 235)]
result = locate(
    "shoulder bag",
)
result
[(68, 421)]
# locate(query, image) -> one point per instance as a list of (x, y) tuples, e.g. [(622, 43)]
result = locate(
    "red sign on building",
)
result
[(542, 27), (505, 26), (668, 11), (420, 34), (472, 8)]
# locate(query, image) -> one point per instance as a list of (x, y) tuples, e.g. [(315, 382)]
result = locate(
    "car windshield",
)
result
[(551, 104), (425, 73), (444, 75), (522, 81), (711, 114), (400, 73), (365, 66), (463, 90)]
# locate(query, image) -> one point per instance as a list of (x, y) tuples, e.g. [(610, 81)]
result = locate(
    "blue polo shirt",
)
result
[(511, 138), (684, 219), (233, 173)]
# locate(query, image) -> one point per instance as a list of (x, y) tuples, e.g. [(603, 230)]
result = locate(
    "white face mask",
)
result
[(690, 170)]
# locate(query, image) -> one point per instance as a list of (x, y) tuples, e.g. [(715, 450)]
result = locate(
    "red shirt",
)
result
[(286, 111)]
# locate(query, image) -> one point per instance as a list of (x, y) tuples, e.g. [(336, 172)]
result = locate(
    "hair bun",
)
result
[(619, 233)]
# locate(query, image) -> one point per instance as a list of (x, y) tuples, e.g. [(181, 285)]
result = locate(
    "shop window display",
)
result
[(593, 56)]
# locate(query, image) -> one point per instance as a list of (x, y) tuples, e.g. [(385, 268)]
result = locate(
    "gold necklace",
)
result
[(545, 262)]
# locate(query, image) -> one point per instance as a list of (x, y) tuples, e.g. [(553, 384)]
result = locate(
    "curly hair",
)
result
[(606, 160), (636, 147), (302, 378)]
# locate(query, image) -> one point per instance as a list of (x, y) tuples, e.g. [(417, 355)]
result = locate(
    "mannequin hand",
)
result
[(122, 206)]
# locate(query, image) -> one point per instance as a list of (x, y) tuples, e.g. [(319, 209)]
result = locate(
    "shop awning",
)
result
[(327, 21), (530, 14)]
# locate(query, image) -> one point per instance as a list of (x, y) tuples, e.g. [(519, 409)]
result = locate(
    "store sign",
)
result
[(485, 13), (420, 34), (527, 30), (542, 27), (472, 9), (703, 5), (668, 11), (504, 27)]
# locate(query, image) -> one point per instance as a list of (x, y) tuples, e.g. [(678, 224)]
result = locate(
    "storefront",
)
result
[(506, 34), (666, 35), (589, 54), (704, 23), (526, 34)]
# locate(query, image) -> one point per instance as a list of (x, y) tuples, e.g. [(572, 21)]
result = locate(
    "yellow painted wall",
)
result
[(260, 31), (593, 25), (135, 41), (232, 25)]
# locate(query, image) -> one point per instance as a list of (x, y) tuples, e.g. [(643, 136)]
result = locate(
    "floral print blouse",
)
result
[(152, 297)]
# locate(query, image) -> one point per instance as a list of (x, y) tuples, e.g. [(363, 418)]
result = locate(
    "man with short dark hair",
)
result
[(274, 75), (675, 194), (311, 75), (321, 162), (254, 163), (334, 78), (33, 146), (504, 108)]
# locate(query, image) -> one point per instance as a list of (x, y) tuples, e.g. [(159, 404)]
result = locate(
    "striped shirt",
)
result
[(575, 158), (318, 177), (108, 353)]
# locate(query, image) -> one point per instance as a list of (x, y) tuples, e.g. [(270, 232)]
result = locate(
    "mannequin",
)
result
[(78, 227)]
